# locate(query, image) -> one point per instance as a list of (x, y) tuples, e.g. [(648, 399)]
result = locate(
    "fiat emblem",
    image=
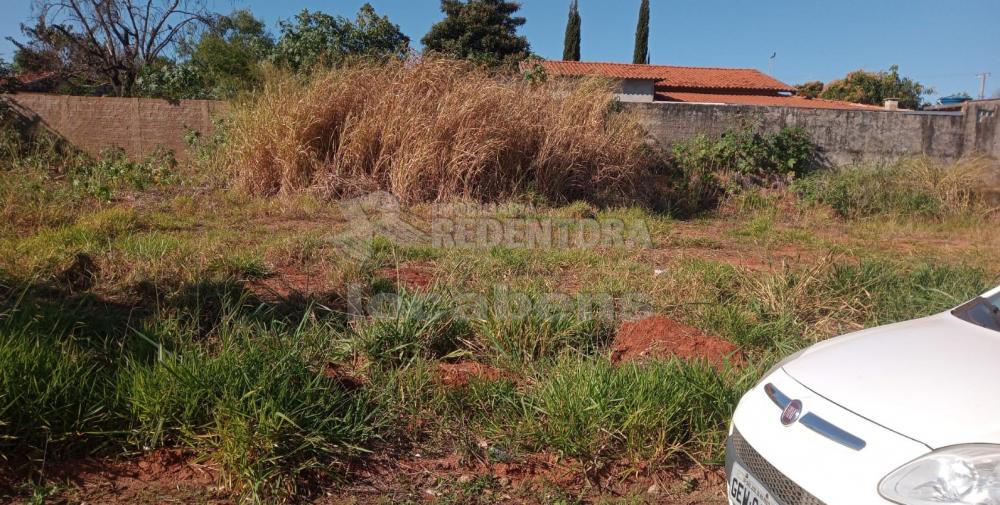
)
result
[(791, 412)]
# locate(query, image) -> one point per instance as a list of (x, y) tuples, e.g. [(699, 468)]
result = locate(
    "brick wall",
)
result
[(137, 125)]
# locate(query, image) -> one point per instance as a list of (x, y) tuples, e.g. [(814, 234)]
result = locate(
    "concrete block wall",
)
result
[(843, 136), (137, 125)]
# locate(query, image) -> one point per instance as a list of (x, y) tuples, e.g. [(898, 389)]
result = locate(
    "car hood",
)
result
[(935, 380)]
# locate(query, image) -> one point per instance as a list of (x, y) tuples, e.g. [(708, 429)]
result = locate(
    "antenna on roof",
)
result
[(770, 63)]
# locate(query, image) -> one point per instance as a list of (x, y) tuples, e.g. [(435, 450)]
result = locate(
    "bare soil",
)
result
[(162, 476), (459, 374), (661, 337), (413, 275), (534, 478)]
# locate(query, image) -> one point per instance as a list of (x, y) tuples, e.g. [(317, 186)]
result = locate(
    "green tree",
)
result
[(218, 62), (484, 31), (811, 89), (571, 44), (641, 54), (316, 38), (873, 88), (227, 56)]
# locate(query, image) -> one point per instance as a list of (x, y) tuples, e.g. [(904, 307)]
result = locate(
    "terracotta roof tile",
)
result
[(671, 76), (743, 99)]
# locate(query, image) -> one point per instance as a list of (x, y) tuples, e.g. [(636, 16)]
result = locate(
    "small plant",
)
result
[(113, 171)]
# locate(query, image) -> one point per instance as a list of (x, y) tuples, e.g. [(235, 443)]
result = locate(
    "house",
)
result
[(706, 85)]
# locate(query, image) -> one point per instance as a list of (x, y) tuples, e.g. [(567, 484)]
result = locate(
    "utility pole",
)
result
[(982, 84)]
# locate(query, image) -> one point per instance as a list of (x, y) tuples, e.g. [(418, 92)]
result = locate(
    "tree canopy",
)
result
[(873, 88), (641, 53), (811, 89), (571, 44), (315, 38), (217, 62), (484, 31)]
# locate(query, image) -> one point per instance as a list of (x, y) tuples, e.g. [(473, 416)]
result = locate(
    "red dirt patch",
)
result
[(529, 478), (417, 275), (157, 477), (459, 374), (661, 337)]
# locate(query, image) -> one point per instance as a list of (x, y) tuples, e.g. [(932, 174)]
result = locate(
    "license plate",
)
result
[(744, 489)]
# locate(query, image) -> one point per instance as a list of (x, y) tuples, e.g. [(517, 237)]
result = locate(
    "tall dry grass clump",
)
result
[(435, 130)]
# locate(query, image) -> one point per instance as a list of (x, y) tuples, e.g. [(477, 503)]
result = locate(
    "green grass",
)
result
[(589, 408), (520, 329)]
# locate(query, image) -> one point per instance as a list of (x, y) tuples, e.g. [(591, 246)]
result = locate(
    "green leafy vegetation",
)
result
[(872, 88), (640, 55), (482, 31), (571, 43)]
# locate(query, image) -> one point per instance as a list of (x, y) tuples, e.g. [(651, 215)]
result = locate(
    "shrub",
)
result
[(435, 130), (746, 153), (919, 186), (704, 169), (113, 172)]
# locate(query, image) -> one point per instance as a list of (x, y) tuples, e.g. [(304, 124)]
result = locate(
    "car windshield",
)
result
[(984, 311)]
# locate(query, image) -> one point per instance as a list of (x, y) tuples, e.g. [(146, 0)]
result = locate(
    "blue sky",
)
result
[(942, 44)]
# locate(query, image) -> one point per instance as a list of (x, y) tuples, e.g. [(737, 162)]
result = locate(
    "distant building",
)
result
[(664, 83)]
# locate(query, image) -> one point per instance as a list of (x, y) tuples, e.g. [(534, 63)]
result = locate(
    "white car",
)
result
[(907, 413)]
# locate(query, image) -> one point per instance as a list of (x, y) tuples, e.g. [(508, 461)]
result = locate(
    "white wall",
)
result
[(636, 90)]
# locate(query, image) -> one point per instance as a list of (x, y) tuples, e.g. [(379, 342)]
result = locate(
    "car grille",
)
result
[(788, 492)]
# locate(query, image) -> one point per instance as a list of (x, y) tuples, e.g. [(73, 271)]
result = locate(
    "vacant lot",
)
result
[(167, 335)]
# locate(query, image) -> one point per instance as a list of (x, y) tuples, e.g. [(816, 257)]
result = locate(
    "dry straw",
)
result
[(437, 130)]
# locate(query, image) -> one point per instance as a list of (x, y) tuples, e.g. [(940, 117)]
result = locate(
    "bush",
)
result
[(113, 172), (436, 130), (746, 153), (704, 168), (919, 186)]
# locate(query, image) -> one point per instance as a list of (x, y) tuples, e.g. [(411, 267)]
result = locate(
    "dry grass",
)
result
[(954, 184), (436, 130)]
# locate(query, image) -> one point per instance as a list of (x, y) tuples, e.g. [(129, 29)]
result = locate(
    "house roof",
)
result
[(671, 76), (745, 99)]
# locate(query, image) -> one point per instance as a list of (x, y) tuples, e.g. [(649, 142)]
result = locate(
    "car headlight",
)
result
[(961, 474)]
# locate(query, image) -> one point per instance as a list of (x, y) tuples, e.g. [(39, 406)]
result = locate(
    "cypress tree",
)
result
[(571, 45), (641, 54)]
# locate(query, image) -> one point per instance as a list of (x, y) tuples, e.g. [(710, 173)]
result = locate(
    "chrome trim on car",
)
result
[(816, 423)]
